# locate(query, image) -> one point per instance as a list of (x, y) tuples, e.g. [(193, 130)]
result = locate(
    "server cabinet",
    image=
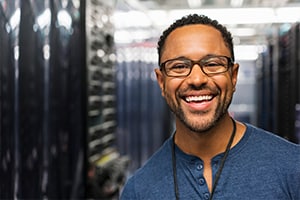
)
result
[(286, 83), (295, 77), (106, 167), (267, 65), (144, 119), (42, 99), (278, 78)]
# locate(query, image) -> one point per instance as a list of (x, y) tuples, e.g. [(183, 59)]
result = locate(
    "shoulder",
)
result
[(152, 176), (271, 157), (272, 150), (270, 140)]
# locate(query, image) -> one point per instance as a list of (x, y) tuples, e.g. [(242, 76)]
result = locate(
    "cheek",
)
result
[(171, 86), (225, 84)]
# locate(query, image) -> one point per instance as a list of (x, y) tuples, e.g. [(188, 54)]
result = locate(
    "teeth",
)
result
[(198, 98)]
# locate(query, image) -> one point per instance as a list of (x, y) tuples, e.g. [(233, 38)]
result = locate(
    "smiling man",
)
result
[(210, 155)]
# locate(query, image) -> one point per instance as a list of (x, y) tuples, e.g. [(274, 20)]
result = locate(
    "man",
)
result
[(210, 155)]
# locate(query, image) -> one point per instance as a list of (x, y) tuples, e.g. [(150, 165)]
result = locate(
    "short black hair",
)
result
[(196, 19)]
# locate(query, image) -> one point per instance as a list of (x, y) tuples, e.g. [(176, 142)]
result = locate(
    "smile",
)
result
[(198, 98)]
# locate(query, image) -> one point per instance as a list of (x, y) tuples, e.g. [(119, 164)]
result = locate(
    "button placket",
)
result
[(199, 168), (196, 168)]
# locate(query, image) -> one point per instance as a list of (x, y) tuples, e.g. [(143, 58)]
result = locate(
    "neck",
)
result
[(205, 145)]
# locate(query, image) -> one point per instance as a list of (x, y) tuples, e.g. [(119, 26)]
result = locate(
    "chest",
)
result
[(236, 182)]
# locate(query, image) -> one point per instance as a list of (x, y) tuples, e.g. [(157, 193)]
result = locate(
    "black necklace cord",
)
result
[(218, 172), (174, 169), (223, 160)]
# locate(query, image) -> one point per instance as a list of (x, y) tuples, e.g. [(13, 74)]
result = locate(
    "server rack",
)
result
[(57, 101), (266, 88), (295, 32), (144, 120), (42, 106), (278, 88), (106, 167)]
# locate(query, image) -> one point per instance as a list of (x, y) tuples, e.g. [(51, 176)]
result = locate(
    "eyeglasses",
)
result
[(210, 65)]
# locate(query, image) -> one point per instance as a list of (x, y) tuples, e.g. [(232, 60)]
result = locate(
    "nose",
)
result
[(197, 77)]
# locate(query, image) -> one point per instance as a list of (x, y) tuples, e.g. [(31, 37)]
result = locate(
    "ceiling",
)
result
[(184, 4), (251, 32)]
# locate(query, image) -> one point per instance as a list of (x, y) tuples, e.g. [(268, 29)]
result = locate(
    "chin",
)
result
[(202, 123)]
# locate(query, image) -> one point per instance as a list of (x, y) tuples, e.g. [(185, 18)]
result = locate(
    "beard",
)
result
[(204, 120)]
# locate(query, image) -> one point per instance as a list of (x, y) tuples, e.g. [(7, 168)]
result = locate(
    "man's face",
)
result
[(197, 100)]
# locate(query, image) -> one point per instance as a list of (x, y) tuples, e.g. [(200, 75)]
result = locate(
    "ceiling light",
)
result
[(195, 3), (236, 3), (243, 32)]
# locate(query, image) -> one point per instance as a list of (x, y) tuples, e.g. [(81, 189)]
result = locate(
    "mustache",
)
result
[(213, 90)]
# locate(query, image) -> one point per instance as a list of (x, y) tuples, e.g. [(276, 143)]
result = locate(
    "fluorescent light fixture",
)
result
[(288, 14), (131, 19), (247, 52), (163, 18), (124, 36), (243, 32), (236, 3), (233, 15), (194, 3)]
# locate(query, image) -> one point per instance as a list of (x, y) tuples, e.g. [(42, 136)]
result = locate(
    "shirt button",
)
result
[(199, 167), (201, 181), (206, 195)]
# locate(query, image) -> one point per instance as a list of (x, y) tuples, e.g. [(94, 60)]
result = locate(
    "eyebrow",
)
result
[(184, 57)]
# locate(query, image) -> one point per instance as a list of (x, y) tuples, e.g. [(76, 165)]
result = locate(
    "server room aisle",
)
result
[(80, 108)]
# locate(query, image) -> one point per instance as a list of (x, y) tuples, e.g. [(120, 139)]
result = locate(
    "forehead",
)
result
[(194, 40)]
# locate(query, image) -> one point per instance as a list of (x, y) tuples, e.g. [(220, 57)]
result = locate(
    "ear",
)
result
[(160, 80), (234, 76)]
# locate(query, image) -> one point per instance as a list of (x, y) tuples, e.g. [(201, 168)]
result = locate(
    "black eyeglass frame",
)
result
[(199, 62)]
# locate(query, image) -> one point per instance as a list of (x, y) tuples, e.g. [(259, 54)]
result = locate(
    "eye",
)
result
[(214, 63), (179, 66)]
